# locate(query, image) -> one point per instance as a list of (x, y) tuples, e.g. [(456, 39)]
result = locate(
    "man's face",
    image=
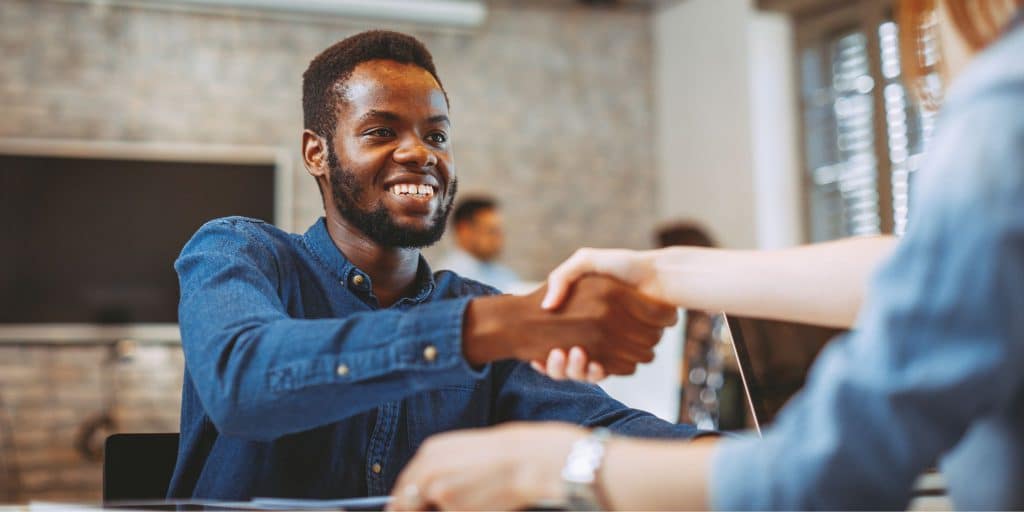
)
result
[(391, 171), (483, 235)]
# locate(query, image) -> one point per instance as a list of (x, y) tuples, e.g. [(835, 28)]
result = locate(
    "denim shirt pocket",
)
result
[(450, 407)]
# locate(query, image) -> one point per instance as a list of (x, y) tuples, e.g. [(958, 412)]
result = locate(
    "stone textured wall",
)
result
[(55, 403), (552, 112), (551, 105)]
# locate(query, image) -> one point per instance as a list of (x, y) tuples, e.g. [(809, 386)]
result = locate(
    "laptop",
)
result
[(774, 359)]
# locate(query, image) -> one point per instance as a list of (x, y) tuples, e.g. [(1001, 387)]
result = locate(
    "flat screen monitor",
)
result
[(93, 240)]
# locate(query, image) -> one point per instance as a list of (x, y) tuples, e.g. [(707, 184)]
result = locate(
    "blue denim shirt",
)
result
[(935, 366), (298, 385)]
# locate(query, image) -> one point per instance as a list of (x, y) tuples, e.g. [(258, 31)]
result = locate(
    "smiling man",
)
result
[(316, 364)]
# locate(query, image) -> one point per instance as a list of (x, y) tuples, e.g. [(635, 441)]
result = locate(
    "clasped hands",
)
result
[(600, 312), (606, 309)]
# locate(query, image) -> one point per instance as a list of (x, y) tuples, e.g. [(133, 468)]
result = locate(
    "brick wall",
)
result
[(551, 102), (52, 396), (551, 105)]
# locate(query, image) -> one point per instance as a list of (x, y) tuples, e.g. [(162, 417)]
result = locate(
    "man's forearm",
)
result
[(818, 284), (246, 371), (486, 326)]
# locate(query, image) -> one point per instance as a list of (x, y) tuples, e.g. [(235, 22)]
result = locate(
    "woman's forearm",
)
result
[(821, 284), (657, 474)]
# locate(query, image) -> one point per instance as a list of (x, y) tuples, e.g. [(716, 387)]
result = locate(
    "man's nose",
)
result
[(413, 151)]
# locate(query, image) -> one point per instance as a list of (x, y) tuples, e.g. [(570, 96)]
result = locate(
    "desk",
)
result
[(373, 503)]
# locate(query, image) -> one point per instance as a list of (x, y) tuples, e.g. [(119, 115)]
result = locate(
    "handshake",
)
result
[(613, 321)]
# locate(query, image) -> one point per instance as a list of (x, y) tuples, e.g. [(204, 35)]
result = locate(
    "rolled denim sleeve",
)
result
[(937, 346), (261, 374)]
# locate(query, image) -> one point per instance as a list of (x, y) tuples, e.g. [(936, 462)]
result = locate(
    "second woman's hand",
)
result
[(507, 467)]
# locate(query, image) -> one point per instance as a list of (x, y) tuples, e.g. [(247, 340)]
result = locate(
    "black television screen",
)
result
[(94, 240)]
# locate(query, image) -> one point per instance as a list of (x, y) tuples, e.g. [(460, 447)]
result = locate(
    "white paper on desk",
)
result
[(368, 503), (48, 506)]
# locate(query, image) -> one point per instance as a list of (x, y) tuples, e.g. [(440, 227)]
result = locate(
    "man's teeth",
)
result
[(403, 189)]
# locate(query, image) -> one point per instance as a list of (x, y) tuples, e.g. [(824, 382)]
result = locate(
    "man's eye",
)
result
[(437, 138), (381, 132)]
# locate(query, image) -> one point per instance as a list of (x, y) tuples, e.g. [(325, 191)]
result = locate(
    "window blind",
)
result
[(908, 127), (838, 88)]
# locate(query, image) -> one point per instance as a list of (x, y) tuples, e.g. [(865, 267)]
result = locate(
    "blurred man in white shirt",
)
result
[(479, 239)]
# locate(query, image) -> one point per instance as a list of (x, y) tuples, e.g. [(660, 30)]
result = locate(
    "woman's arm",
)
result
[(518, 465), (640, 474), (818, 284), (821, 284)]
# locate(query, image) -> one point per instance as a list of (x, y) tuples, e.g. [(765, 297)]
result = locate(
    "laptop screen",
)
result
[(774, 358)]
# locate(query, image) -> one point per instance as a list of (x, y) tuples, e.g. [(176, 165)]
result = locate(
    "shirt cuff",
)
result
[(736, 470), (431, 339)]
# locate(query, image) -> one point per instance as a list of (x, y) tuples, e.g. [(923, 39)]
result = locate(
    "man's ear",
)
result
[(314, 154)]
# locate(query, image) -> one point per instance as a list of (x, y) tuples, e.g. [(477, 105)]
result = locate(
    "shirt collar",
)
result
[(424, 283), (318, 240)]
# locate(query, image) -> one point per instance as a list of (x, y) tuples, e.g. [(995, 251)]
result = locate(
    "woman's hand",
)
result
[(518, 465), (512, 466), (635, 268), (819, 284)]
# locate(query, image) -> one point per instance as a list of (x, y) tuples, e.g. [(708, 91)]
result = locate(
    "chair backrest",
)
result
[(138, 466)]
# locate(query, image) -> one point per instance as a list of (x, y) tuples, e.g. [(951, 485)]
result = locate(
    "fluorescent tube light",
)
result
[(462, 13)]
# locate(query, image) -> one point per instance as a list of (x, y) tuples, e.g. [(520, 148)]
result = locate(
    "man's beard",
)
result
[(377, 223)]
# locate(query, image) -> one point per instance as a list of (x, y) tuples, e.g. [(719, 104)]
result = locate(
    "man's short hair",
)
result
[(683, 233), (468, 208), (322, 83)]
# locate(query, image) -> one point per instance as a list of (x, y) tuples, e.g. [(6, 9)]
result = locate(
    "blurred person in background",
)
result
[(698, 390), (479, 239), (932, 370)]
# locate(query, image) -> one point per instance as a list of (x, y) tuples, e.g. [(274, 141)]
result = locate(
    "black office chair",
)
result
[(138, 467)]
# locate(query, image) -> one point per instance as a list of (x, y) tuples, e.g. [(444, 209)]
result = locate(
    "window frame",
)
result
[(814, 22)]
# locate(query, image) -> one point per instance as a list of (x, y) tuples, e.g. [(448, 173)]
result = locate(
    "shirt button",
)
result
[(376, 468), (430, 353), (357, 280), (342, 370)]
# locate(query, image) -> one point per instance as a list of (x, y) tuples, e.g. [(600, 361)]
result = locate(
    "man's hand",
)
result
[(615, 325)]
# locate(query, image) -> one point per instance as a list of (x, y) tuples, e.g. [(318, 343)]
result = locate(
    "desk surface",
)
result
[(371, 503), (923, 503)]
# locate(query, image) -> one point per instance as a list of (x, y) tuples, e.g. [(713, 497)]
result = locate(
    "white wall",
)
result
[(725, 117), (655, 386), (727, 152), (774, 132)]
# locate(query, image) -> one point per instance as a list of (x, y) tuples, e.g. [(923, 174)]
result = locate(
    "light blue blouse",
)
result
[(935, 366)]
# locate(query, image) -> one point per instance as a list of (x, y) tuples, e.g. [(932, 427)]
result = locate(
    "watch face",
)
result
[(580, 471)]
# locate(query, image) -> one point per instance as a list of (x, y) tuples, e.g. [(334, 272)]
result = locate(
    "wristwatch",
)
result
[(580, 471)]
